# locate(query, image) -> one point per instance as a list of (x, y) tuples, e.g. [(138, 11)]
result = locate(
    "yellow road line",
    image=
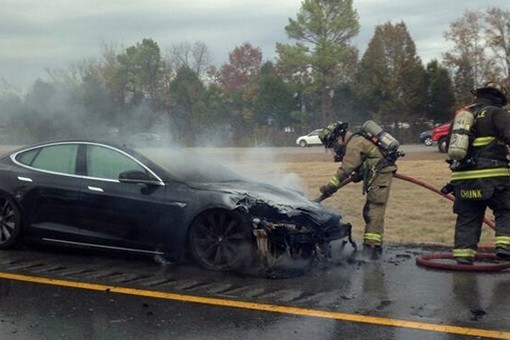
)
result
[(263, 307)]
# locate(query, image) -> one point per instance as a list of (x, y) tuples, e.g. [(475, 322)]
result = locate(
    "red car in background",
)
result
[(440, 136)]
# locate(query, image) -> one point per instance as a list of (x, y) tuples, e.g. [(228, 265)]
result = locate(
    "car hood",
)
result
[(271, 202), (441, 128)]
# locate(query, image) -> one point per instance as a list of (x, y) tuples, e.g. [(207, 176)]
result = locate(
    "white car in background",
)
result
[(310, 139)]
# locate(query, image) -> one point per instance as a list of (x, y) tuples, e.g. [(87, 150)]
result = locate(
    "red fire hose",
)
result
[(487, 221), (487, 261)]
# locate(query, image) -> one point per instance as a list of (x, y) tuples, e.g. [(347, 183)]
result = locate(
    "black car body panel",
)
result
[(97, 195), (267, 201)]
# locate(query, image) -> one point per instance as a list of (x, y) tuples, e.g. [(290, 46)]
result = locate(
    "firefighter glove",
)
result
[(447, 189), (328, 189), (356, 177)]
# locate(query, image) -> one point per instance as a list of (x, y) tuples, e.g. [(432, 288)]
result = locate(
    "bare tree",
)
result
[(498, 39), (193, 56), (7, 88), (468, 60)]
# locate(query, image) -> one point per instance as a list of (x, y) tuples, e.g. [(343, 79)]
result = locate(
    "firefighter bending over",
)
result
[(480, 178), (368, 155)]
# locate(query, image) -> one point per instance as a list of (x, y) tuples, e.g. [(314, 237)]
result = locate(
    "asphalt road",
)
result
[(56, 294)]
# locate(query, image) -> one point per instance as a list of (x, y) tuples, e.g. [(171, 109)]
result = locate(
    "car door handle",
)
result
[(91, 188), (24, 179)]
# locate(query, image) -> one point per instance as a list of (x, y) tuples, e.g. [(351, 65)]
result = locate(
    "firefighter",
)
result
[(362, 160), (480, 178)]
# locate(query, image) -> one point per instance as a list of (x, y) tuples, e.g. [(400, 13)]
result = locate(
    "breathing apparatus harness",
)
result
[(385, 142), (387, 145)]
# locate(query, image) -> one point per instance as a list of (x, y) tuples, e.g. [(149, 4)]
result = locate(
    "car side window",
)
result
[(56, 158), (107, 163), (27, 157)]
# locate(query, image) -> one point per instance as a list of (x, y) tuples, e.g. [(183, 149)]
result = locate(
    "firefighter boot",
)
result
[(464, 256), (464, 260), (503, 253), (371, 252)]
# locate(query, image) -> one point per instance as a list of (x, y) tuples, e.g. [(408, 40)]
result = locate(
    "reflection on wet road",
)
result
[(392, 299)]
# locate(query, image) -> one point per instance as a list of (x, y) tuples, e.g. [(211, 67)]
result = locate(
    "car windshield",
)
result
[(189, 166)]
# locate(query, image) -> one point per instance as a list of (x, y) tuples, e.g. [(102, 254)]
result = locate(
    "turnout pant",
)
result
[(375, 208), (470, 214)]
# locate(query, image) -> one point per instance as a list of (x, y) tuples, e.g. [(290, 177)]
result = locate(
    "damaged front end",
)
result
[(276, 232), (286, 240), (289, 237)]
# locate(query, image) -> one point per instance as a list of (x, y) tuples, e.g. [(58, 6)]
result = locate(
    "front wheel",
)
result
[(428, 141), (303, 143), (221, 241), (10, 224)]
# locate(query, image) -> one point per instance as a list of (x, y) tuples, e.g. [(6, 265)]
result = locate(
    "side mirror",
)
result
[(136, 176)]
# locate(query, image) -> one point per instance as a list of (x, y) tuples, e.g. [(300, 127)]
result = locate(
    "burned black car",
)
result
[(104, 196)]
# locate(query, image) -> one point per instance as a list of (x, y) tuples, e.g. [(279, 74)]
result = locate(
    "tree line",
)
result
[(248, 101)]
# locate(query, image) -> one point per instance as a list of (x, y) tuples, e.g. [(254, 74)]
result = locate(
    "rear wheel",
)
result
[(221, 241), (303, 143), (10, 223), (442, 145)]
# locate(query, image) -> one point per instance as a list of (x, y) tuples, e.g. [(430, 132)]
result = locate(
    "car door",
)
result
[(49, 190), (313, 137), (119, 214)]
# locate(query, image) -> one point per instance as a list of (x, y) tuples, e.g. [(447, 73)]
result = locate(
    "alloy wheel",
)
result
[(220, 241), (10, 223)]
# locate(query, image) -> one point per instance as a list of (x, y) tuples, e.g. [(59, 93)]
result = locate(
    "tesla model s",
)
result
[(96, 195)]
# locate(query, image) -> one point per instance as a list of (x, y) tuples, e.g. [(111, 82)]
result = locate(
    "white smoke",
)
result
[(256, 163)]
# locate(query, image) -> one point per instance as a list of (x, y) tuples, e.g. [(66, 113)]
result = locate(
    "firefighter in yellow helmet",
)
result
[(363, 158), (480, 175)]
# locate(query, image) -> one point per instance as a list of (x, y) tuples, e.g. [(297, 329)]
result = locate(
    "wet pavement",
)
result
[(51, 294)]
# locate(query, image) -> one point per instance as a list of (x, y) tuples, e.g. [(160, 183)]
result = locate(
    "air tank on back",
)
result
[(379, 136), (459, 139)]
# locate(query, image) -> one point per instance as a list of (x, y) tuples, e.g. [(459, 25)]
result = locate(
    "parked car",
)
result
[(426, 138), (440, 136), (310, 139), (104, 196)]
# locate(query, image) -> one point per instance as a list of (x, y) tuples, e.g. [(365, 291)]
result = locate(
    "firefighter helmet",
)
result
[(496, 89), (330, 133)]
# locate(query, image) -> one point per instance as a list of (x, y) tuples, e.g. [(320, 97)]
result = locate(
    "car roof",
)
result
[(158, 167), (114, 145), (122, 147)]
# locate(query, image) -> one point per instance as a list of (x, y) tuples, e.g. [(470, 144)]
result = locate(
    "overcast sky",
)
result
[(37, 35)]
